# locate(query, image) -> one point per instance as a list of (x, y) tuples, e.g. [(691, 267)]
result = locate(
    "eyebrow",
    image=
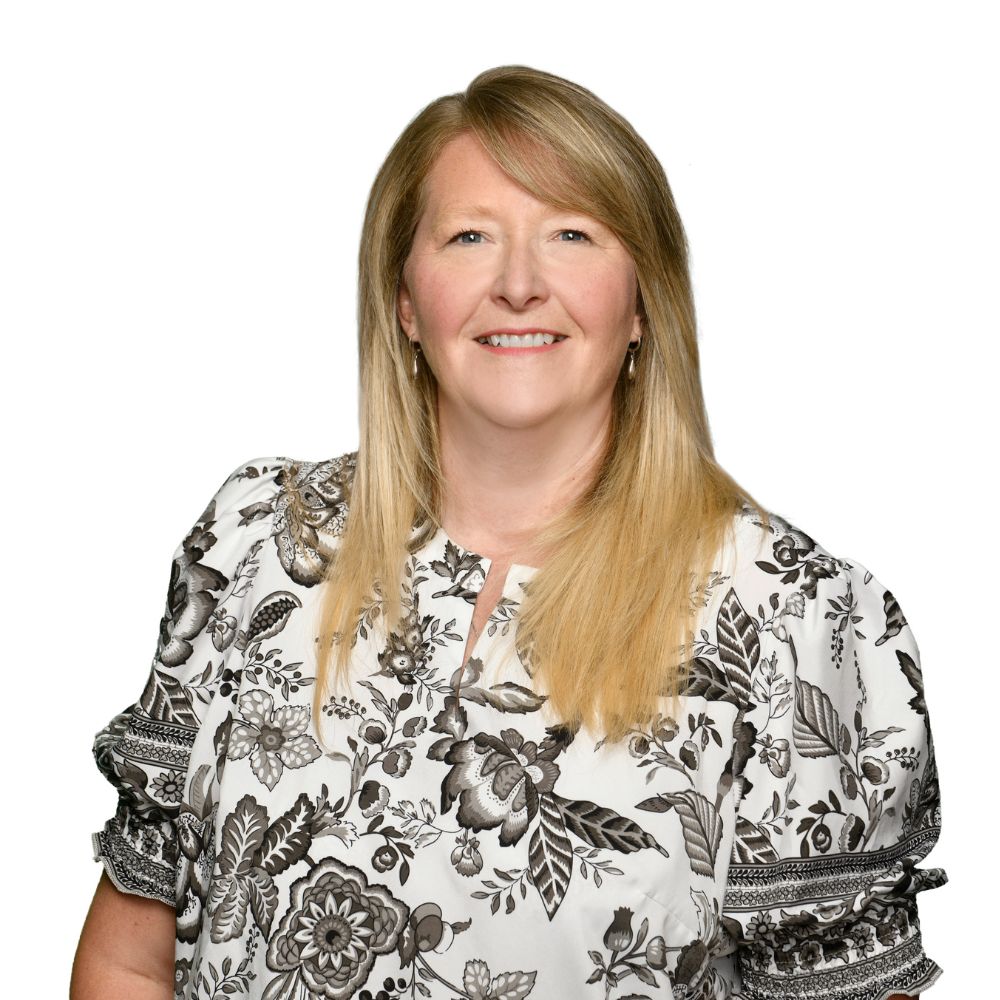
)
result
[(449, 212)]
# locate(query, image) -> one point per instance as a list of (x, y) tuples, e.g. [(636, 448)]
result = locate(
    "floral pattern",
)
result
[(457, 841)]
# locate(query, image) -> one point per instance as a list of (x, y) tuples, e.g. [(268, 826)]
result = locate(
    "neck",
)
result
[(503, 484)]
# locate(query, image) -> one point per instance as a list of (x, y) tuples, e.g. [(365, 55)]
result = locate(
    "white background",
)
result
[(179, 214)]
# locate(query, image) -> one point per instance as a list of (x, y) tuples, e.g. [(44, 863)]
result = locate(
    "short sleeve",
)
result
[(144, 750), (840, 800)]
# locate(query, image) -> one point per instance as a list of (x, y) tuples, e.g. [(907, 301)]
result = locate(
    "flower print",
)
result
[(876, 771), (690, 755), (466, 857), (309, 515), (406, 652), (785, 551), (182, 975), (384, 858), (222, 629), (776, 754), (848, 782), (373, 798), (274, 738), (333, 930), (638, 745), (194, 838), (373, 732), (760, 955), (190, 601), (149, 840), (397, 762), (761, 927), (427, 930), (821, 837), (863, 940), (618, 936), (169, 786), (810, 954), (850, 833), (818, 568), (795, 607), (497, 781), (656, 953), (415, 726)]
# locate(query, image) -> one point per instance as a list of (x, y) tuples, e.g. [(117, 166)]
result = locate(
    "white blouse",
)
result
[(458, 842)]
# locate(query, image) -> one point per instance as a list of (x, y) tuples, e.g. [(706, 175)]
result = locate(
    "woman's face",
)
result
[(523, 266)]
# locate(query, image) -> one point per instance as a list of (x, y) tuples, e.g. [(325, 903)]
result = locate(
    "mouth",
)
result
[(505, 343)]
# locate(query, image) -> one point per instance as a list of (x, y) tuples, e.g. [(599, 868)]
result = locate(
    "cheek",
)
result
[(442, 301), (602, 302)]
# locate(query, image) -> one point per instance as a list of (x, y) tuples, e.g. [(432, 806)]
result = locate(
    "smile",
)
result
[(504, 342)]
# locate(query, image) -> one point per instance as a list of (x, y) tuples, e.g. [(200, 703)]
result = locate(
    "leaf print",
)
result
[(476, 979), (506, 697), (702, 828), (739, 645), (602, 827), (707, 680), (227, 907), (506, 986), (912, 674), (550, 856), (752, 844), (288, 838), (242, 835), (894, 618), (817, 726), (166, 700), (512, 985), (263, 898)]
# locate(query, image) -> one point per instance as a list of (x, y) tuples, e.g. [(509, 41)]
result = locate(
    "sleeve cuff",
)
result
[(140, 856)]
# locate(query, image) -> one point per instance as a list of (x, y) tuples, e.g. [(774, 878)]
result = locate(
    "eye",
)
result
[(457, 238)]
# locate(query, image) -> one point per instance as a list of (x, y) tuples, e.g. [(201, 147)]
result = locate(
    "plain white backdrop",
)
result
[(179, 214)]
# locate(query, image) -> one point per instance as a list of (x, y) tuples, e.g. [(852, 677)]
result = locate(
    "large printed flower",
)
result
[(497, 781), (274, 738), (190, 597), (334, 928)]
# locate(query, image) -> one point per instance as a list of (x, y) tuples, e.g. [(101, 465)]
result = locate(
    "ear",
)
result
[(637, 328), (404, 308)]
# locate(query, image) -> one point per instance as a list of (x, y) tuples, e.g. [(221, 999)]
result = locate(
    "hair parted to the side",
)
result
[(607, 619)]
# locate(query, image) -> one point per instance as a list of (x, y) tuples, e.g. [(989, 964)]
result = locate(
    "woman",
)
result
[(526, 696)]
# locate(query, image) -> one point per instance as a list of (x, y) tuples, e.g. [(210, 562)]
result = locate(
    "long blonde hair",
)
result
[(605, 621)]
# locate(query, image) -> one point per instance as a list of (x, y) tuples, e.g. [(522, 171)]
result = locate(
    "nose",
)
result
[(520, 278)]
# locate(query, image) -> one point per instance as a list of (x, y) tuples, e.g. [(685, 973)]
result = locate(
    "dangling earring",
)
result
[(632, 350), (416, 355)]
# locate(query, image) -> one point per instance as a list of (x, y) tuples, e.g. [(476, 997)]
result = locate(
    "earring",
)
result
[(416, 355), (632, 351)]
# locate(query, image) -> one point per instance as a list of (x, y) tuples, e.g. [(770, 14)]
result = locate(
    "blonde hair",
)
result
[(606, 619)]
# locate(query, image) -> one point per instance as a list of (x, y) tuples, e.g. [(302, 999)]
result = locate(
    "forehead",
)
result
[(465, 179)]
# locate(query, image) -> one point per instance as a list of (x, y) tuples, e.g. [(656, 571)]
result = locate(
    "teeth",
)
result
[(525, 340)]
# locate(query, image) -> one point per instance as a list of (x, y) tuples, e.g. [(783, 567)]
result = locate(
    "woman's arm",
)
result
[(126, 949)]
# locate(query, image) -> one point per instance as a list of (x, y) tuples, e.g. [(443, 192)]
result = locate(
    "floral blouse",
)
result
[(457, 842)]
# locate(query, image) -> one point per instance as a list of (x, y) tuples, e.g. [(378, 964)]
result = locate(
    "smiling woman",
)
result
[(605, 726)]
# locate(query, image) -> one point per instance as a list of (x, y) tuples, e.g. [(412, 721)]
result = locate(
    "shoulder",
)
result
[(254, 481), (789, 566), (816, 605)]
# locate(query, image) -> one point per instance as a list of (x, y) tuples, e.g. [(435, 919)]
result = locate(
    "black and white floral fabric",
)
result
[(459, 843)]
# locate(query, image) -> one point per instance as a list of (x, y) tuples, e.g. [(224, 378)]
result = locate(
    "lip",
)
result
[(514, 333)]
